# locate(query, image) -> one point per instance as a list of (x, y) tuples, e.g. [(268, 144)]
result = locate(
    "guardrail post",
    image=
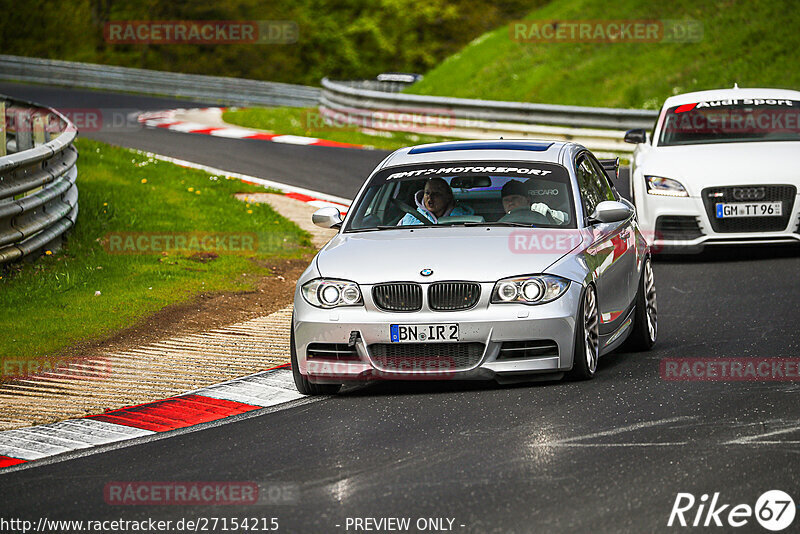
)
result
[(3, 139), (24, 129), (38, 130)]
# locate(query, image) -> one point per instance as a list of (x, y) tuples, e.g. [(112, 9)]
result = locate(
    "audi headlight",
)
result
[(533, 289), (657, 185), (328, 293)]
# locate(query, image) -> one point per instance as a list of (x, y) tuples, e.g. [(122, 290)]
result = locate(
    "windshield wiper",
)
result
[(375, 228), (523, 225), (418, 226)]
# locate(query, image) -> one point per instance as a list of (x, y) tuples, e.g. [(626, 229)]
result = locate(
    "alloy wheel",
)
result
[(590, 329), (650, 301)]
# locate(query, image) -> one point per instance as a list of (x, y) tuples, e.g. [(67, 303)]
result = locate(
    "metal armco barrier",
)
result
[(38, 194), (372, 104), (217, 89)]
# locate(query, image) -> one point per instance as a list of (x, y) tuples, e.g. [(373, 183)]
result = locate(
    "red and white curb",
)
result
[(273, 387), (170, 119), (255, 392), (312, 198)]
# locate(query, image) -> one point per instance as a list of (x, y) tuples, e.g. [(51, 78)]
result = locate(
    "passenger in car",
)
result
[(515, 196), (434, 201)]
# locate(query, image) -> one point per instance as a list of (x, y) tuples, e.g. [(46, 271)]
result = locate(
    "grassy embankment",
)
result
[(52, 303), (308, 122), (752, 43)]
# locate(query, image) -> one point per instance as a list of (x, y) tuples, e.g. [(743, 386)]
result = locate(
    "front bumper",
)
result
[(487, 324), (683, 224)]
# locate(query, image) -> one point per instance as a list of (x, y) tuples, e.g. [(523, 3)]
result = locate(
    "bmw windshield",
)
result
[(731, 121), (529, 194)]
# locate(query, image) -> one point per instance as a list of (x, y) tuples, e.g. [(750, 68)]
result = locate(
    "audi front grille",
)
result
[(749, 193), (398, 297), (450, 296)]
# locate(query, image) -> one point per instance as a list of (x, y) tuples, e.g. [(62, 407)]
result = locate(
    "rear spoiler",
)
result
[(611, 166)]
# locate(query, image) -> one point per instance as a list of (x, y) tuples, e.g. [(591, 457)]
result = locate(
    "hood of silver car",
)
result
[(478, 254)]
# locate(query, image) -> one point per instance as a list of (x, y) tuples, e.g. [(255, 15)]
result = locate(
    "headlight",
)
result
[(324, 293), (532, 289), (656, 185)]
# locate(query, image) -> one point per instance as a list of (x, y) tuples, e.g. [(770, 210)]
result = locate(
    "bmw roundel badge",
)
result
[(426, 272)]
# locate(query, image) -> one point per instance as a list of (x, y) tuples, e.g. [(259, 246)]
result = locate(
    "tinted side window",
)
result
[(605, 183), (591, 190)]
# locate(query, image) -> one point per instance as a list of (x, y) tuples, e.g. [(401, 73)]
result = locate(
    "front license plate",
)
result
[(726, 210), (423, 333)]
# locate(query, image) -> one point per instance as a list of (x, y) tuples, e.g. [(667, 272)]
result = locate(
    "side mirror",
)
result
[(636, 136), (610, 211), (327, 217)]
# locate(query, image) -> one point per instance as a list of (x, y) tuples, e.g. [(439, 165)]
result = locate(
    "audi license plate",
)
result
[(423, 333), (749, 209)]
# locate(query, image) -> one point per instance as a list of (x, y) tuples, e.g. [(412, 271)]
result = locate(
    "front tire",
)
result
[(645, 318), (587, 338), (301, 382)]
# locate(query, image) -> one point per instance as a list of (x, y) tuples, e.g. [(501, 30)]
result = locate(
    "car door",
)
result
[(612, 255), (626, 245)]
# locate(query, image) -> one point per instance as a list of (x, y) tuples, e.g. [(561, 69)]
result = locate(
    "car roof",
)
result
[(735, 92), (547, 151)]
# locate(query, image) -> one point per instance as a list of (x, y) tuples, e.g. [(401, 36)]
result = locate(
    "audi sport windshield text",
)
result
[(731, 121)]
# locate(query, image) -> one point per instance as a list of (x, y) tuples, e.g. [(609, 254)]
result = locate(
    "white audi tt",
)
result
[(721, 168)]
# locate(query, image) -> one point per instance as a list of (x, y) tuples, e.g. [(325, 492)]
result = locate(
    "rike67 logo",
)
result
[(774, 510)]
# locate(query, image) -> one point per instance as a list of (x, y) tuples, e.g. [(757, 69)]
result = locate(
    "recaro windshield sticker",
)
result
[(470, 169)]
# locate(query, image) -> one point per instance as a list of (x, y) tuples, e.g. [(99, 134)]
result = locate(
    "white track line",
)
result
[(324, 198), (570, 442), (758, 439)]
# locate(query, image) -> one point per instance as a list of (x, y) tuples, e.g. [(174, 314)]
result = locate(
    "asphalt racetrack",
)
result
[(608, 455)]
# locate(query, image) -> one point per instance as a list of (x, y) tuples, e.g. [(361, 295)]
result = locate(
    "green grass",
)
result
[(753, 43), (50, 304), (308, 122)]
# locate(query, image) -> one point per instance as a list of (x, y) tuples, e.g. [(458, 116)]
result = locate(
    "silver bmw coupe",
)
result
[(505, 260)]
